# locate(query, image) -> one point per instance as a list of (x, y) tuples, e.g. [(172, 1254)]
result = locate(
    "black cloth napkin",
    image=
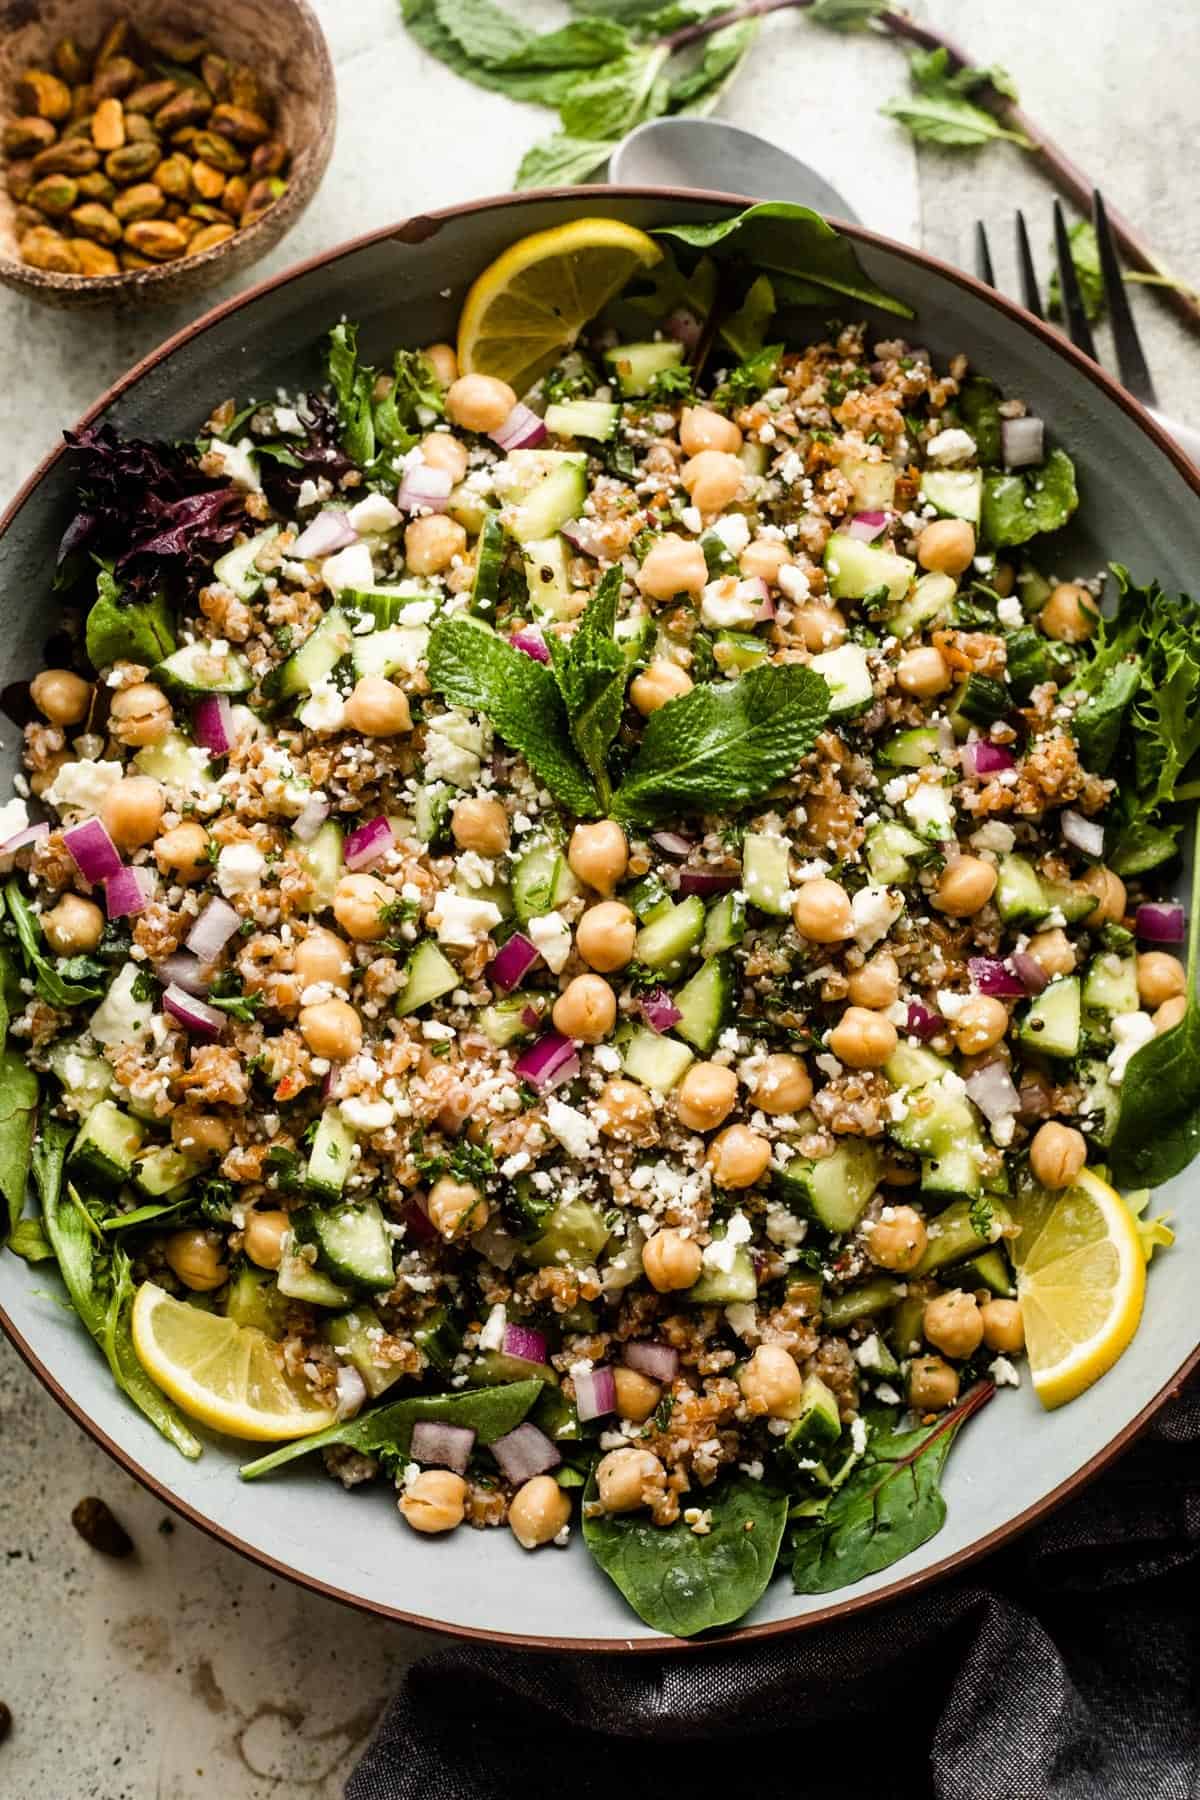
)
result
[(1062, 1668)]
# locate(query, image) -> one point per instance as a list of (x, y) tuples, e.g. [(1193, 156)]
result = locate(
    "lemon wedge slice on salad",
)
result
[(1081, 1281), (528, 307), (223, 1374)]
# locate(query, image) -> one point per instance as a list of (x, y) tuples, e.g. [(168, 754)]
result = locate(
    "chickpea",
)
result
[(705, 1097), (876, 984), (965, 885), (538, 1511), (1070, 614), (932, 1384), (821, 911), (183, 851), (60, 696), (1057, 1154), (702, 429), (200, 1134), (456, 1208), (738, 1157), (132, 811), (74, 926), (637, 1395), (586, 1009), (1003, 1326), (263, 1238), (763, 558), (195, 1256), (605, 936), (625, 1111), (441, 451), (772, 1383), (322, 957), (435, 1500), (671, 1261), (1160, 977), (358, 906), (479, 402), (821, 627), (331, 1028), (622, 1477), (599, 854), (1053, 951), (377, 707), (952, 1324), (712, 479), (673, 565), (480, 825), (923, 672), (443, 361), (1169, 1014), (659, 682), (981, 1023), (432, 542), (863, 1039), (946, 545), (897, 1239), (782, 1085), (140, 715), (1109, 890)]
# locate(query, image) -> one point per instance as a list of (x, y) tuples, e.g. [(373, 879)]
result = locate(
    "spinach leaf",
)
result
[(724, 744), (743, 385), (591, 670), (29, 1241), (141, 631), (939, 112), (1085, 254), (743, 331), (889, 1505), (490, 1412), (1018, 506), (679, 1583), (979, 404), (18, 1113), (50, 984), (1097, 723)]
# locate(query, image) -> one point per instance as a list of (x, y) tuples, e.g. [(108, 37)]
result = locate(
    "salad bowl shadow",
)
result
[(405, 285)]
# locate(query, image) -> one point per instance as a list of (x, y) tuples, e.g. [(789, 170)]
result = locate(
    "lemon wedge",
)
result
[(529, 306), (225, 1375), (1081, 1280)]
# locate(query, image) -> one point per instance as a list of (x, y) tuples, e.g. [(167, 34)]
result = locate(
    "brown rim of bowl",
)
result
[(416, 229)]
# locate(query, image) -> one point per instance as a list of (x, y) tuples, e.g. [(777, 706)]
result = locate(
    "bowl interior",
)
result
[(406, 286)]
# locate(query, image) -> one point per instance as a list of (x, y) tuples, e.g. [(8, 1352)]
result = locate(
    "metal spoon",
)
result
[(704, 153)]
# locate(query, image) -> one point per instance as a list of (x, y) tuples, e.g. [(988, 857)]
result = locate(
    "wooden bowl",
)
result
[(280, 39)]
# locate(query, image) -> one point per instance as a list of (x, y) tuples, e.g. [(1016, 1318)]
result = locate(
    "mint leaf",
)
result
[(1085, 254), (699, 90), (581, 45), (545, 87), (846, 15), (931, 74), (724, 744), (1018, 506), (612, 100), (559, 160), (482, 31), (591, 670), (940, 112), (470, 666)]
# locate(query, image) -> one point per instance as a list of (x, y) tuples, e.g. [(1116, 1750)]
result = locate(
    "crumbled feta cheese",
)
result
[(930, 810), (237, 463), (552, 937), (738, 1230), (1010, 612), (728, 603), (951, 446), (454, 749), (492, 1335), (874, 910), (324, 709), (869, 1354), (1003, 1372), (348, 568), (1131, 1030), (793, 582), (475, 870), (462, 921), (606, 1058), (366, 1115), (734, 532), (374, 513), (858, 1435), (573, 1129), (784, 1228), (742, 1318), (691, 519), (14, 817), (240, 869), (950, 1004), (81, 786)]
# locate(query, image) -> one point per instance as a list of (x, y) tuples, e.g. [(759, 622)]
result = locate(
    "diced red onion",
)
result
[(993, 1092), (525, 1342), (545, 1060), (524, 1453), (310, 818), (922, 1023), (1022, 442), (522, 429), (1085, 834), (213, 930), (421, 1228), (331, 530), (684, 327), (182, 969), (367, 844), (672, 843), (992, 975), (128, 892), (595, 1394), (867, 526), (708, 881), (581, 535), (659, 1361), (351, 1393), (440, 1446), (512, 963), (92, 850), (1161, 922), (531, 1017), (659, 1010), (331, 1087), (32, 834), (532, 642), (424, 488), (212, 723), (566, 1072), (1034, 978), (194, 1015), (988, 759)]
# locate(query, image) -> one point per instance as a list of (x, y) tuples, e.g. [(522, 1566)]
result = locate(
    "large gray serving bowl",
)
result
[(1140, 506)]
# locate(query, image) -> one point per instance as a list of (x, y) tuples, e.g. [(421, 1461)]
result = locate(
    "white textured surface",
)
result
[(186, 1673)]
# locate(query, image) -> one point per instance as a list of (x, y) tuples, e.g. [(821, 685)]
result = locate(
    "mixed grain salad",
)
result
[(567, 931)]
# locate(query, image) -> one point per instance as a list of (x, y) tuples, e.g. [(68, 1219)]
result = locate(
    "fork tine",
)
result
[(1029, 283), (1078, 329), (1135, 375), (983, 255)]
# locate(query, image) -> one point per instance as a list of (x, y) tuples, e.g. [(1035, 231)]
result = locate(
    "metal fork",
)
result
[(1131, 360)]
